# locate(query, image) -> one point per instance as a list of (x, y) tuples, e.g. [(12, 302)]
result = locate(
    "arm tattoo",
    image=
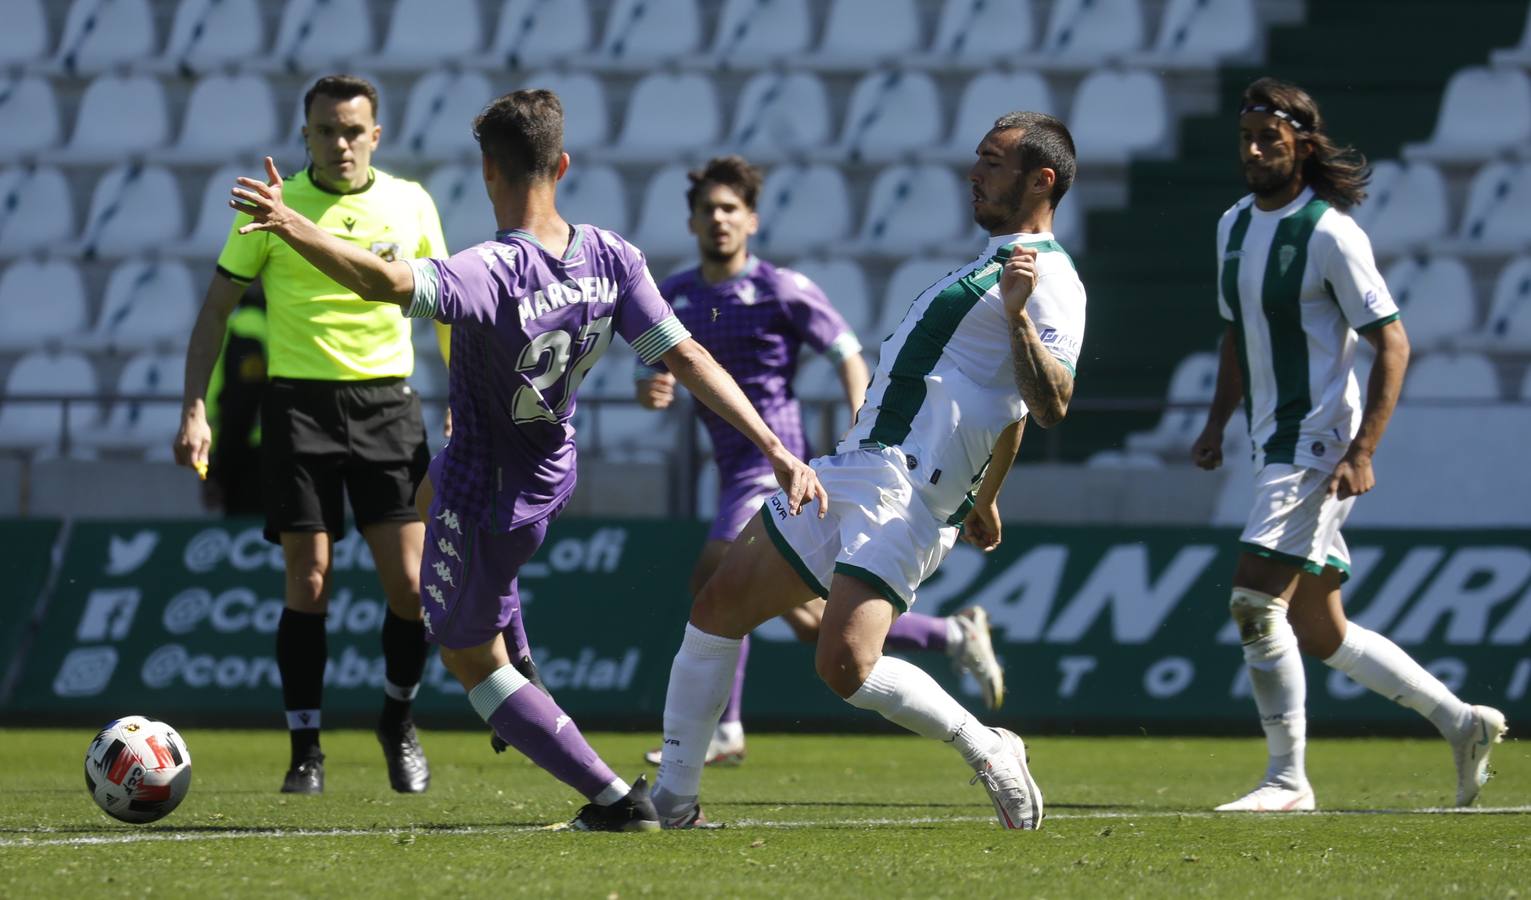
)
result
[(1044, 383)]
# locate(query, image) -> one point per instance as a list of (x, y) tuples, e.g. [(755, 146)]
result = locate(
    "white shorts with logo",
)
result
[(877, 530), (1294, 519)]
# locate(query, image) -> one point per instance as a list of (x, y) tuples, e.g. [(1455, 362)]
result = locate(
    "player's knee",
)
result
[(715, 608), (1262, 622), (1319, 639), (841, 667)]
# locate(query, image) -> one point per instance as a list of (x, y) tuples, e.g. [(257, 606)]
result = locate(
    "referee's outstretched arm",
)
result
[(367, 274)]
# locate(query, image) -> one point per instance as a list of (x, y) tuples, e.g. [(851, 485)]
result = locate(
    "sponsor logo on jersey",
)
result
[(1371, 300), (491, 252), (779, 508)]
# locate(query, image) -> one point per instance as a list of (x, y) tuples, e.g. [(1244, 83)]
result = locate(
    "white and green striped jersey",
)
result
[(945, 382), (1298, 283)]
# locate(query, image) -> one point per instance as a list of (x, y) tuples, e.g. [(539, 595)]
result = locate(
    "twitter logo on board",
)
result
[(125, 556)]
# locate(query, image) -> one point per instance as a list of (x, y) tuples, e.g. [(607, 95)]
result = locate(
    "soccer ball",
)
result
[(137, 769)]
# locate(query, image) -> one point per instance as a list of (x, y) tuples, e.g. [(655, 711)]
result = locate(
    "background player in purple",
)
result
[(532, 312), (755, 318)]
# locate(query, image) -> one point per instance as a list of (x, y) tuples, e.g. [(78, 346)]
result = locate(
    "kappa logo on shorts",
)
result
[(425, 615), (436, 594), (444, 573), (450, 520), (445, 546), (778, 507)]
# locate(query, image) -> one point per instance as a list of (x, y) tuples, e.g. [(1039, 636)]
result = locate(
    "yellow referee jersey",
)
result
[(316, 328)]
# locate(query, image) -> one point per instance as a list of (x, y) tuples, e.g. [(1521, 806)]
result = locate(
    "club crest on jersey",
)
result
[(1285, 257), (746, 294), (388, 250)]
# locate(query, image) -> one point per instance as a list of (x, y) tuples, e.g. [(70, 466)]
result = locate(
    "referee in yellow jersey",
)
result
[(337, 419)]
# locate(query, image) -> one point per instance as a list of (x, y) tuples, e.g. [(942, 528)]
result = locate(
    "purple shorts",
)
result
[(739, 498)]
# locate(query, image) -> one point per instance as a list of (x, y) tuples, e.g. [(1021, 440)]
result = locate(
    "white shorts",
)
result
[(1295, 521), (877, 530)]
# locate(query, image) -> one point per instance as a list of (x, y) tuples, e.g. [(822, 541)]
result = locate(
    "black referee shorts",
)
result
[(324, 440)]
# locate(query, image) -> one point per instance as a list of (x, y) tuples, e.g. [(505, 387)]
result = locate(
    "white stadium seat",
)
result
[(642, 33), (1508, 327), (1119, 459), (39, 426), (1498, 217), (536, 32), (119, 116), (817, 378), (214, 218), (40, 301), (803, 209), (427, 33), (912, 207), (134, 208), (29, 117), (1451, 376), (585, 124), (467, 218), (987, 97), (1194, 381), (1202, 33), (626, 432), (661, 227), (759, 32), (1087, 33), (1405, 208), (669, 114), (843, 282), (1435, 296), (1118, 115), (892, 113), (439, 114), (143, 424), (1520, 54), (25, 36), (907, 282), (36, 210), (227, 115), (781, 113), (322, 34), (851, 40), (1485, 111), (101, 34), (594, 195), (147, 304), (973, 34), (209, 34)]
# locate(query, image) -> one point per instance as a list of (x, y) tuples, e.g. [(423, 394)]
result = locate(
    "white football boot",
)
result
[(1271, 797), (1017, 799), (726, 748), (975, 655), (1472, 750)]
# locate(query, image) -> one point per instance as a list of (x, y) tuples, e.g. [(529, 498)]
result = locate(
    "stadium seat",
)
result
[(987, 97), (642, 33), (1435, 296), (892, 113), (26, 323), (439, 114), (214, 217), (1508, 327), (779, 114), (535, 32), (119, 116), (1198, 34), (661, 227), (843, 282), (1194, 381), (29, 118), (102, 34), (594, 195), (669, 114), (1451, 376), (975, 34), (759, 32), (1119, 459), (626, 432), (135, 208), (803, 208), (817, 378), (907, 282), (209, 34), (612, 377), (467, 218), (426, 33), (147, 304), (1520, 54), (36, 211), (143, 424), (25, 36), (585, 124), (1484, 112), (227, 116), (1405, 208), (39, 427), (851, 40), (323, 34), (1498, 217), (912, 207), (1117, 115), (1087, 33)]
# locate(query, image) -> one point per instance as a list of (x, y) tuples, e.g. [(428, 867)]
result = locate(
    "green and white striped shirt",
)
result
[(1298, 284)]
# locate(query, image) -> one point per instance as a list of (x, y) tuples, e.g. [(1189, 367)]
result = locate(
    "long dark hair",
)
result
[(1336, 174)]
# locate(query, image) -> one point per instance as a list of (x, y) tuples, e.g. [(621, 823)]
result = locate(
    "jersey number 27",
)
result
[(531, 403)]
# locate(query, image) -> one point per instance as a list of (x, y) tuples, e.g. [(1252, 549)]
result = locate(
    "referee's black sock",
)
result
[(302, 649), (404, 655)]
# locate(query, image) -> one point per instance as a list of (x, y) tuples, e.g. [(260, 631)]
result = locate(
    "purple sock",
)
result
[(529, 720), (736, 698), (915, 631)]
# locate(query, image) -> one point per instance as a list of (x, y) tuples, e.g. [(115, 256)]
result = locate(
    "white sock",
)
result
[(1378, 663), (955, 637), (1280, 689), (612, 793), (700, 680), (905, 695)]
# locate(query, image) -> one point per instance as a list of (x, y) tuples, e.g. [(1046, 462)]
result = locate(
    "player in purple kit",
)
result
[(755, 318), (532, 312)]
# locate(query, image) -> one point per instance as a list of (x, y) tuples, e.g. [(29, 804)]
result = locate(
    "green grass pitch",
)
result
[(807, 816)]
